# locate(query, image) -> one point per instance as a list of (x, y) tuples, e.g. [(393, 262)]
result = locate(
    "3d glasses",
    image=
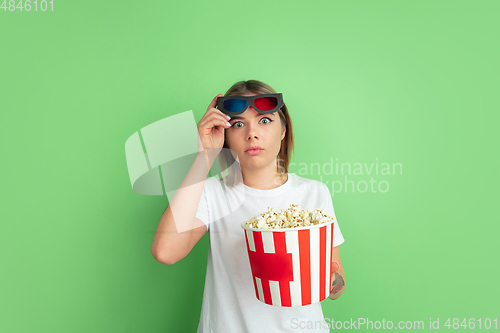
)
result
[(265, 103)]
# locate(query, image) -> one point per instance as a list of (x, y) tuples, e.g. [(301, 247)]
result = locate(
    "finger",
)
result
[(335, 267), (214, 111), (215, 118), (224, 123), (215, 123)]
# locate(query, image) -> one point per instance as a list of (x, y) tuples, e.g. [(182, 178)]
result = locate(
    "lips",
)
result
[(254, 150)]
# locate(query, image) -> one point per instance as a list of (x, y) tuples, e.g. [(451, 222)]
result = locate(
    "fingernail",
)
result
[(227, 116), (228, 124)]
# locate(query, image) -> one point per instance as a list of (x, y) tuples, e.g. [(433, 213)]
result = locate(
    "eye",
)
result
[(235, 124), (268, 120)]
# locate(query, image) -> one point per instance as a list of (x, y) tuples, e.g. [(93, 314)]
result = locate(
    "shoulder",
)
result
[(211, 183), (302, 184), (216, 186), (310, 183)]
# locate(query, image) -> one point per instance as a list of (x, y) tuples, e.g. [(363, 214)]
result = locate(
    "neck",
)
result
[(265, 178)]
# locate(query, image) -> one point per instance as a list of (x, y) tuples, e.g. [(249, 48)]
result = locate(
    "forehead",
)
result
[(251, 113)]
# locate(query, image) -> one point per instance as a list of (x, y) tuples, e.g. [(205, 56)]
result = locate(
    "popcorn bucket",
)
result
[(291, 266)]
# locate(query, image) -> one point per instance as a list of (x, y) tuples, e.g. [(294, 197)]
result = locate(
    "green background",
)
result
[(410, 82)]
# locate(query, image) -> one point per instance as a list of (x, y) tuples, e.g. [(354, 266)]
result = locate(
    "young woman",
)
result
[(256, 147)]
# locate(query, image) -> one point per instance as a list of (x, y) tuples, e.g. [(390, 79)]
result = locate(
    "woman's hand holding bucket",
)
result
[(338, 281)]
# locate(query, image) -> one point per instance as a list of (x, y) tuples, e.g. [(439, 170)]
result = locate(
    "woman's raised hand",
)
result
[(211, 126)]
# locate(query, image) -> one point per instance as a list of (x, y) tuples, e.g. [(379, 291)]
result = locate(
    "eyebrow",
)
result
[(259, 114)]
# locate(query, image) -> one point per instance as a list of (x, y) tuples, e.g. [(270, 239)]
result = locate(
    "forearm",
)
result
[(172, 240), (338, 284), (338, 276)]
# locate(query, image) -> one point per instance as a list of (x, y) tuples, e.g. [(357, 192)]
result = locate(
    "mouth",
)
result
[(254, 150)]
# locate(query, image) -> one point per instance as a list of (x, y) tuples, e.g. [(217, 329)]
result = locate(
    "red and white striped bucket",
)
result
[(292, 266)]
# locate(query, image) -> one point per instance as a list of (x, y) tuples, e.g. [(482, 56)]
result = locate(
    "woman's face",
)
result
[(252, 128)]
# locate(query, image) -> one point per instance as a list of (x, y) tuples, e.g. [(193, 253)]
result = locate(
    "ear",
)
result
[(283, 132)]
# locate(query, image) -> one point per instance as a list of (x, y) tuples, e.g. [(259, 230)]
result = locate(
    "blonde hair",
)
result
[(226, 159)]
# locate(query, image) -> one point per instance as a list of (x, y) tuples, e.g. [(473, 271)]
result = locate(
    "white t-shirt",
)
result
[(229, 300)]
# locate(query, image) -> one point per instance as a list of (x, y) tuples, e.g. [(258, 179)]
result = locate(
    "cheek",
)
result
[(230, 138), (279, 132), (228, 134)]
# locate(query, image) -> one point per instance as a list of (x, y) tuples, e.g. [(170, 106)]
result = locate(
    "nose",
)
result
[(252, 128), (252, 133)]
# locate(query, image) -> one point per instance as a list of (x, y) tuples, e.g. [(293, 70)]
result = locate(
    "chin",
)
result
[(255, 165)]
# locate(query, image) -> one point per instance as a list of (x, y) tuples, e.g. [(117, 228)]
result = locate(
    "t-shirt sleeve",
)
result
[(202, 212), (338, 238)]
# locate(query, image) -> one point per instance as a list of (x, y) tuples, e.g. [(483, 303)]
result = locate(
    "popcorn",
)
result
[(293, 217)]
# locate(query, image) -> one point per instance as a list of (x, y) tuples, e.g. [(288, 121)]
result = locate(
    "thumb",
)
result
[(335, 267)]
